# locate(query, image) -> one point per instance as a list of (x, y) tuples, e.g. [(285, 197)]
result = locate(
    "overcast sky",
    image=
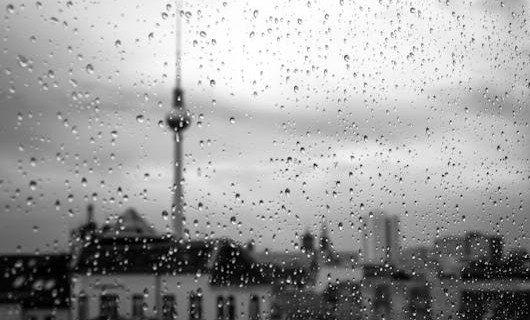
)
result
[(301, 109)]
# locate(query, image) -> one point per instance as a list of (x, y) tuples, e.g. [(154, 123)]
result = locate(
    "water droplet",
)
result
[(202, 34), (212, 83), (89, 68), (295, 89), (232, 120), (22, 61), (10, 8), (117, 43), (346, 58), (140, 118)]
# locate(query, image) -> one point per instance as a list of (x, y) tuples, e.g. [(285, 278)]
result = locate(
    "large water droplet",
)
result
[(22, 61), (89, 68)]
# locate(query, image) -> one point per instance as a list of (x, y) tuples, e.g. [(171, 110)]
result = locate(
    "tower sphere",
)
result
[(178, 118)]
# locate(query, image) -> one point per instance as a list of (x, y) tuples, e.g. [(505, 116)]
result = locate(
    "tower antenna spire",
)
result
[(178, 41), (177, 120)]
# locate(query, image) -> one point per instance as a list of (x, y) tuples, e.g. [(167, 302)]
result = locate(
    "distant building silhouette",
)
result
[(129, 224), (325, 243), (307, 242), (452, 252), (380, 237), (480, 246)]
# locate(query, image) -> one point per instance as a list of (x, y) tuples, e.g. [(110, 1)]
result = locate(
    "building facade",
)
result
[(122, 273), (380, 237)]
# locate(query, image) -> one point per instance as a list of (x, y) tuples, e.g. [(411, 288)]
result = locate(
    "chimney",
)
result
[(90, 214)]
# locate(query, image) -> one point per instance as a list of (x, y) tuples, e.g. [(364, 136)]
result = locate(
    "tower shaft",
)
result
[(177, 207)]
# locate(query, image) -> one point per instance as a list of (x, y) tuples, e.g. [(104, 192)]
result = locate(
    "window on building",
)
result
[(253, 309), (195, 306), (220, 307), (82, 311), (382, 298), (276, 311), (138, 306), (108, 307), (420, 302), (231, 308), (169, 307)]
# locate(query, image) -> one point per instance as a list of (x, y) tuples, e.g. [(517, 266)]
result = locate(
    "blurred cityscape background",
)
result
[(407, 173), (126, 270)]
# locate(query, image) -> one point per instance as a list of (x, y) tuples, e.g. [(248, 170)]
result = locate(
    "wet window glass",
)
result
[(287, 160)]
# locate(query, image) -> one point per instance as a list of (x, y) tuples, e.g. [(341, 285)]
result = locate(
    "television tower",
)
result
[(178, 119)]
